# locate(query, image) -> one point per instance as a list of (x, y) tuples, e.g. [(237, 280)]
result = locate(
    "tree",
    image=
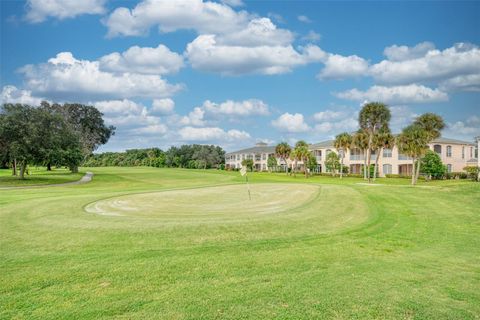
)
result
[(332, 163), (301, 153), (432, 166), (205, 155), (19, 129), (473, 173), (311, 162), (432, 124), (383, 139), (413, 143), (360, 141), (283, 150), (87, 122), (272, 162), (342, 143), (248, 163), (373, 117)]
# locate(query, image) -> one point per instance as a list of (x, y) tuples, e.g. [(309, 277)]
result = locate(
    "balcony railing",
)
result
[(403, 157), (357, 157)]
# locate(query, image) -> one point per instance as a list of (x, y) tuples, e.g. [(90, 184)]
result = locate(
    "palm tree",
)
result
[(432, 124), (360, 140), (380, 141), (283, 150), (342, 143), (413, 142), (301, 153), (373, 117)]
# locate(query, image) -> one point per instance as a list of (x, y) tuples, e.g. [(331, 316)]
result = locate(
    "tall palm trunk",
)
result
[(305, 167), (365, 164), (417, 174), (369, 156), (375, 170), (413, 171), (341, 167)]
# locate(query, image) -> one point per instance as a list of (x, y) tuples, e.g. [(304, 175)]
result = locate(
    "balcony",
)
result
[(403, 157), (357, 157)]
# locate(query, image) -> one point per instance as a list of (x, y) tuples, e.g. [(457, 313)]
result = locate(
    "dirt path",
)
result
[(86, 178)]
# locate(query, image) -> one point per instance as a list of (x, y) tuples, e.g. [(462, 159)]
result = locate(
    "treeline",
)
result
[(187, 156), (49, 135)]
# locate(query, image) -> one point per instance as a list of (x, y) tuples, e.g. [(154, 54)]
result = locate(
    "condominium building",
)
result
[(455, 154), (259, 154)]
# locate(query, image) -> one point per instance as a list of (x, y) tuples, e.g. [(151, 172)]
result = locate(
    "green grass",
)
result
[(341, 250), (38, 176)]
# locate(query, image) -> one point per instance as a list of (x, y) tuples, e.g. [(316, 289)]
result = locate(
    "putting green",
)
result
[(220, 202)]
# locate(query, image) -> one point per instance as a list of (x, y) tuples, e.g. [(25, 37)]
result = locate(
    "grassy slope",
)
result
[(38, 176), (414, 254)]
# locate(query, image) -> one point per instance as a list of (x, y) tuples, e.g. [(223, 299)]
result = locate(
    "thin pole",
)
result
[(248, 186)]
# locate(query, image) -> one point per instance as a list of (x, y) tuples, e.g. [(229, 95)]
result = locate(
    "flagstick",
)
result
[(248, 186)]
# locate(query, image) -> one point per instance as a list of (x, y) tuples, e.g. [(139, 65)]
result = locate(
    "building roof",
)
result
[(323, 144), (452, 141), (256, 149), (264, 148)]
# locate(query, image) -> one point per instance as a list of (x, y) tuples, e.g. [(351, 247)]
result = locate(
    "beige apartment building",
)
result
[(455, 154)]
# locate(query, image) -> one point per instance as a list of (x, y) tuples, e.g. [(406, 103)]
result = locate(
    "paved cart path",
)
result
[(86, 178)]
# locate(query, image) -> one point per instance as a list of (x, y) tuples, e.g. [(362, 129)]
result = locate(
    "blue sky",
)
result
[(235, 72)]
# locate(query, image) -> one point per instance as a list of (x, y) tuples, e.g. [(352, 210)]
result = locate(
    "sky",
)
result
[(236, 72)]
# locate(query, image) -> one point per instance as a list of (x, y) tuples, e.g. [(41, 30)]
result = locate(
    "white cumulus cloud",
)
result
[(204, 53), (396, 94), (402, 53), (11, 94), (162, 106), (237, 108), (433, 66), (292, 123), (340, 67), (172, 15), (40, 10), (146, 60), (66, 78), (211, 134)]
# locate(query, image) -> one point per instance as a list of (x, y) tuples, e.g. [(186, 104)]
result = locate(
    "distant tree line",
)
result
[(49, 135), (186, 156)]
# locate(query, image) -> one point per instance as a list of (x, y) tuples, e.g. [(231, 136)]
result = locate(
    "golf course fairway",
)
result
[(149, 243)]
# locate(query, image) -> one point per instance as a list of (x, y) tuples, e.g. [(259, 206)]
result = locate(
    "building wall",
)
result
[(455, 160)]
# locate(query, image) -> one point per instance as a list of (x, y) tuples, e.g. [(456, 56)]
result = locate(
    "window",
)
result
[(449, 167), (238, 157), (463, 152), (264, 156), (437, 148), (403, 157), (449, 151), (387, 153), (257, 157), (387, 169), (356, 154)]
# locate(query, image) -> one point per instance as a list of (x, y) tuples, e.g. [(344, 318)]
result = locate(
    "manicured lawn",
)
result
[(38, 176), (143, 243)]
